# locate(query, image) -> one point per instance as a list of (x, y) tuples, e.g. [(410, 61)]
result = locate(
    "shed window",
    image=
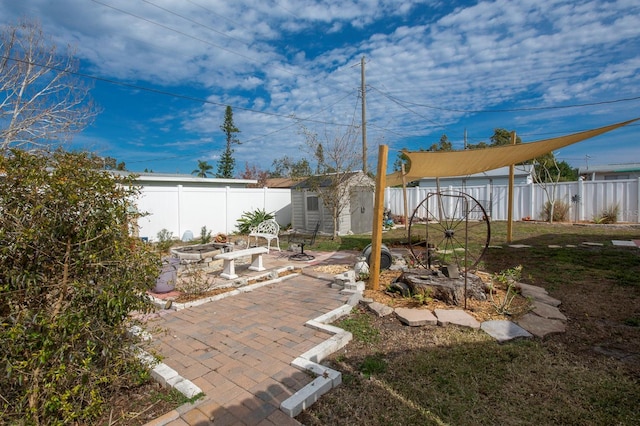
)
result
[(312, 204)]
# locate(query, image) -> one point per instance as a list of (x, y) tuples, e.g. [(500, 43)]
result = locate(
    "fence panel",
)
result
[(180, 208), (529, 200), (184, 208)]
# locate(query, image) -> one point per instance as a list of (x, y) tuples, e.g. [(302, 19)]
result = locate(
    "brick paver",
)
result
[(238, 350)]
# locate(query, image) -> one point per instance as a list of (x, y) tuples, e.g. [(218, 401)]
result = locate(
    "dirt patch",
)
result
[(190, 297), (139, 405)]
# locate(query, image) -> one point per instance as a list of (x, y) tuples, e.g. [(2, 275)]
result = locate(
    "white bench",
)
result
[(229, 267), (268, 230)]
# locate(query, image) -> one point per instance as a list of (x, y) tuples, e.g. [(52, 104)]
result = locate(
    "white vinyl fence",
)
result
[(587, 199), (179, 208)]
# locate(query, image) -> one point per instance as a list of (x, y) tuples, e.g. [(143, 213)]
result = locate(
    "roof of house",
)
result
[(611, 168), (177, 178)]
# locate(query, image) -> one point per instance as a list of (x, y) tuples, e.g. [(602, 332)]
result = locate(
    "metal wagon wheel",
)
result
[(449, 228)]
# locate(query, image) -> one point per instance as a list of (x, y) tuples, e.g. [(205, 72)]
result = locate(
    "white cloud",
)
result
[(302, 57)]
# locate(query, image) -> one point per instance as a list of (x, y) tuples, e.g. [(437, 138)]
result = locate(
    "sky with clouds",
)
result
[(166, 69)]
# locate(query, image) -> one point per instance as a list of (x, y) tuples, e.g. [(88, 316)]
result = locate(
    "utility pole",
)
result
[(364, 116)]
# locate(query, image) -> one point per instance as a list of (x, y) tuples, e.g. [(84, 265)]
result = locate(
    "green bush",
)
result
[(250, 219), (70, 275), (560, 211)]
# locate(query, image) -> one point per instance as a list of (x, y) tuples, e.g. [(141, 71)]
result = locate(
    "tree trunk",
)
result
[(441, 288)]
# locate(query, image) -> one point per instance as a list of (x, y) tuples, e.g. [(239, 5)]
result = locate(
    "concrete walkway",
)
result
[(238, 351)]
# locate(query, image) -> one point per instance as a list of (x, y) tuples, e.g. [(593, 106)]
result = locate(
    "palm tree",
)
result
[(203, 169)]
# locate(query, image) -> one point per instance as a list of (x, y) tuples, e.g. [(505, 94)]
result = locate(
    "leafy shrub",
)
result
[(194, 281), (165, 240), (560, 211), (70, 274), (508, 280), (608, 215), (250, 219)]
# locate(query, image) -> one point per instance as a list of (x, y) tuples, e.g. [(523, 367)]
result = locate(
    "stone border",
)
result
[(167, 377), (327, 378)]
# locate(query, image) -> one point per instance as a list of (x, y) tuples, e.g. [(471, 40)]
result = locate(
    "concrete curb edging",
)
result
[(167, 376), (327, 378)]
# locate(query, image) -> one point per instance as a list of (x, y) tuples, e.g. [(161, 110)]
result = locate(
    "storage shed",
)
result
[(308, 208)]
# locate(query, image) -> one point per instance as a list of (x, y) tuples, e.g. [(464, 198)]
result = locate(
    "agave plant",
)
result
[(249, 220)]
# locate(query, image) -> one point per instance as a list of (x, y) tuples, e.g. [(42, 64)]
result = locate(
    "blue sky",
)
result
[(543, 68)]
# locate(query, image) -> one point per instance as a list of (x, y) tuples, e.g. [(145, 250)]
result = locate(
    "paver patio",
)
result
[(238, 350)]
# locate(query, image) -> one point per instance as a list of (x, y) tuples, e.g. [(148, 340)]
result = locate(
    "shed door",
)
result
[(361, 211)]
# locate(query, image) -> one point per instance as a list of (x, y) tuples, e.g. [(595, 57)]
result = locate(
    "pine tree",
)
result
[(227, 162)]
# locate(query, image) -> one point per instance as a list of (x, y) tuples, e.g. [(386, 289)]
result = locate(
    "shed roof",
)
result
[(326, 180)]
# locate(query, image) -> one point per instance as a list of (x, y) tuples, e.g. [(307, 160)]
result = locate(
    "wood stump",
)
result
[(437, 286)]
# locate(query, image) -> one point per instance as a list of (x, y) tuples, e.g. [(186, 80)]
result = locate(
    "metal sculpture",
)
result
[(449, 228)]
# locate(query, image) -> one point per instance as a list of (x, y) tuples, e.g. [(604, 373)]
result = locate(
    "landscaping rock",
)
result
[(503, 330), (541, 327), (457, 317), (544, 298), (416, 317), (380, 309), (538, 294), (528, 289), (547, 311)]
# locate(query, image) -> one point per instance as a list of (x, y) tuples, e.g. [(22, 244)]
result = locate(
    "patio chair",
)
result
[(302, 240)]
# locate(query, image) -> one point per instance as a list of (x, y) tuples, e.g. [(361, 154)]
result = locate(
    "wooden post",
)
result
[(404, 198), (378, 209), (510, 196)]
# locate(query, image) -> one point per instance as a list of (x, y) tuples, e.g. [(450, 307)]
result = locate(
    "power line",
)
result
[(218, 15), (186, 18), (400, 101), (167, 93)]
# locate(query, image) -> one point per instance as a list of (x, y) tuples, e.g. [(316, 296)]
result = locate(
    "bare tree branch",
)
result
[(42, 104), (337, 156)]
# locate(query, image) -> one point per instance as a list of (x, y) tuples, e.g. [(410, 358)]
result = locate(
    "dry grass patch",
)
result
[(435, 375)]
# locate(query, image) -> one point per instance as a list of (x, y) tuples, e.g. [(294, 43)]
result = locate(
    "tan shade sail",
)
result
[(468, 162)]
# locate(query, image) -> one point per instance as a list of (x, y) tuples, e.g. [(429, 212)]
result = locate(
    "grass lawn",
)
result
[(399, 375)]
